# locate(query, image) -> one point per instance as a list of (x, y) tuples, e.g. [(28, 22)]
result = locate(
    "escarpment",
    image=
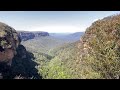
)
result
[(25, 35)]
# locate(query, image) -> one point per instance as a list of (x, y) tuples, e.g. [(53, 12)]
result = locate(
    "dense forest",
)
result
[(53, 55)]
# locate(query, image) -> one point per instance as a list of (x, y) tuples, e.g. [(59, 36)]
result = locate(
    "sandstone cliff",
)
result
[(9, 41), (25, 35), (15, 61)]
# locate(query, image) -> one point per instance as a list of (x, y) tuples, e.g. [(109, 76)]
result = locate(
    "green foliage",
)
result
[(61, 66), (2, 33), (3, 43), (56, 61), (43, 44), (101, 47)]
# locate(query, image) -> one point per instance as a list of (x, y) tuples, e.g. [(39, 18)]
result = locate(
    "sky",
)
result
[(52, 21)]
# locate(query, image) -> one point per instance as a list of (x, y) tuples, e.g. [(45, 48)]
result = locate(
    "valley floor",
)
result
[(53, 56)]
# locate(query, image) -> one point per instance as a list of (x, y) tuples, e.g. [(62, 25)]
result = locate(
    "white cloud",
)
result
[(95, 20)]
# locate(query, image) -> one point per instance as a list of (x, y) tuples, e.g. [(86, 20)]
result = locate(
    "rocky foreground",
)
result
[(15, 61)]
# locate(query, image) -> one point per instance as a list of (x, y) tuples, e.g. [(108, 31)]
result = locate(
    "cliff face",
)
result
[(15, 60), (9, 41), (24, 35), (40, 34)]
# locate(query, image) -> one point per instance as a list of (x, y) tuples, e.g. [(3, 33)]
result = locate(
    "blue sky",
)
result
[(52, 21)]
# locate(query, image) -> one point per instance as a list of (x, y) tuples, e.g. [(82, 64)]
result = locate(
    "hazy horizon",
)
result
[(52, 21)]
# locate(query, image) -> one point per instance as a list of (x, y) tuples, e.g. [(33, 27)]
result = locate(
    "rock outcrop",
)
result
[(40, 34), (24, 35), (15, 61), (9, 41)]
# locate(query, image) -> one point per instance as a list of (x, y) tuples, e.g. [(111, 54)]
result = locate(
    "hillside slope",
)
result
[(99, 49), (62, 65), (74, 36), (43, 44)]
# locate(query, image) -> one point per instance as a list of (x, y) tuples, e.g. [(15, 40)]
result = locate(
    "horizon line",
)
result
[(47, 31)]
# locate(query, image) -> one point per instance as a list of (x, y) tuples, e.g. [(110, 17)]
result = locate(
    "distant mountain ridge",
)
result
[(26, 35), (68, 36), (76, 35)]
